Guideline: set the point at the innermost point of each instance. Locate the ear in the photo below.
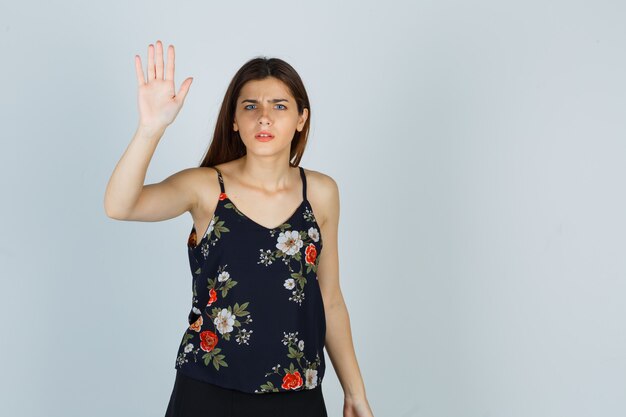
(302, 119)
(235, 126)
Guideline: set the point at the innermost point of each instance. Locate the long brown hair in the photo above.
(227, 144)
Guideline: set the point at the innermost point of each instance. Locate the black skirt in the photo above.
(192, 398)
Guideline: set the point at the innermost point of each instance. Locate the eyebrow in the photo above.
(274, 100)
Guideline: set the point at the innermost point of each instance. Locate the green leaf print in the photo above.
(218, 360)
(269, 387)
(186, 338)
(219, 227)
(240, 310)
(303, 366)
(230, 205)
(294, 354)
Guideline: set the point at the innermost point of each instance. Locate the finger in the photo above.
(159, 60)
(169, 75)
(150, 62)
(184, 89)
(139, 70)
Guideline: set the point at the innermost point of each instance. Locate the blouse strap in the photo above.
(219, 177)
(303, 183)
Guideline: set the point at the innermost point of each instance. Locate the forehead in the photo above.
(269, 87)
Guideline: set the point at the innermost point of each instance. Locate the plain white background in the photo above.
(479, 150)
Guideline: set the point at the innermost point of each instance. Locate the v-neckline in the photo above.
(200, 240)
(245, 216)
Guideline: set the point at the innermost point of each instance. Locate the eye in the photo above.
(247, 107)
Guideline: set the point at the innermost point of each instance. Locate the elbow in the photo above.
(112, 213)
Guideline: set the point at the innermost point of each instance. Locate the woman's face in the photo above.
(266, 105)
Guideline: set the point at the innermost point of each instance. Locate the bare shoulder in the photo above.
(197, 182)
(323, 193)
(322, 183)
(205, 185)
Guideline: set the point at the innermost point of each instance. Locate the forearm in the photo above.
(341, 350)
(128, 177)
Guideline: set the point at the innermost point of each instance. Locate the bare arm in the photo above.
(126, 197)
(338, 333)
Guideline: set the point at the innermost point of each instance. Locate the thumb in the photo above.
(184, 88)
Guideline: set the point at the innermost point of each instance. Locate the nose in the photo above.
(264, 119)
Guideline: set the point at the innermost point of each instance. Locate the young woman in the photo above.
(262, 248)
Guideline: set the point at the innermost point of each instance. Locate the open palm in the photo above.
(157, 99)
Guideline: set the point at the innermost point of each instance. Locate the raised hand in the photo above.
(157, 99)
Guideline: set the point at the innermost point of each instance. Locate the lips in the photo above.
(263, 134)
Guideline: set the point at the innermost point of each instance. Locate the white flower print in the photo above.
(310, 371)
(196, 310)
(308, 215)
(223, 276)
(290, 338)
(210, 228)
(296, 249)
(205, 250)
(298, 296)
(266, 257)
(189, 347)
(224, 321)
(310, 378)
(244, 336)
(205, 246)
(314, 234)
(215, 228)
(181, 359)
(289, 242)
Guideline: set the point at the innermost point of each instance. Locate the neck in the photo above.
(266, 173)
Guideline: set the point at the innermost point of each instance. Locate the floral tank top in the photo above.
(257, 321)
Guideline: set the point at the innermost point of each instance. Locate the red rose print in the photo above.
(292, 381)
(223, 196)
(208, 340)
(310, 254)
(212, 296)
